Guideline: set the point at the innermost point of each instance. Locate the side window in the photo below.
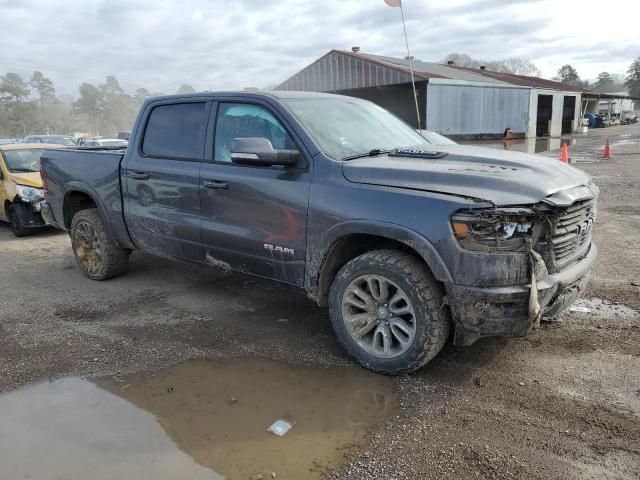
(241, 120)
(176, 130)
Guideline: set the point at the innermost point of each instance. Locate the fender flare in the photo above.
(72, 187)
(406, 236)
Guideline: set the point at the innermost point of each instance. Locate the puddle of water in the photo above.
(200, 419)
(624, 140)
(526, 145)
(72, 429)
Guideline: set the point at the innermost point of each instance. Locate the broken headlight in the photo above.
(29, 194)
(507, 230)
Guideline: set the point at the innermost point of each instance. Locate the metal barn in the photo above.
(456, 101)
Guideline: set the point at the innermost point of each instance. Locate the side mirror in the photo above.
(259, 151)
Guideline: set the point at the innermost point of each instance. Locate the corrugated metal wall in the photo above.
(336, 71)
(398, 99)
(476, 110)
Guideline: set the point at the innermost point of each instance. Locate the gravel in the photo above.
(561, 403)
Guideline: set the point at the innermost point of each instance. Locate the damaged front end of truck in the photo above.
(544, 253)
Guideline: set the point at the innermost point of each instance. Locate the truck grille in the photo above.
(571, 233)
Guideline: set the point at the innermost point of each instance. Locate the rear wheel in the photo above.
(95, 251)
(386, 309)
(17, 217)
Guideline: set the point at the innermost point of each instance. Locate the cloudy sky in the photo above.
(229, 44)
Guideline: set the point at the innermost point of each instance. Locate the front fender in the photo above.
(318, 255)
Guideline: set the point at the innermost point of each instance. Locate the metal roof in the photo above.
(522, 80)
(338, 70)
(615, 96)
(393, 63)
(432, 70)
(455, 72)
(343, 70)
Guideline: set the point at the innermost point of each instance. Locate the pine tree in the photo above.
(632, 80)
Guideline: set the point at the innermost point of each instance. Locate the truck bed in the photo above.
(94, 171)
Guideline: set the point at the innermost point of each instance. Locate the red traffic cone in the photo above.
(607, 149)
(564, 154)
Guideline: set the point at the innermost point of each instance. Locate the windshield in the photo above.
(435, 138)
(27, 160)
(344, 127)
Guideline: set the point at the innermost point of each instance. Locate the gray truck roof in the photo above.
(249, 94)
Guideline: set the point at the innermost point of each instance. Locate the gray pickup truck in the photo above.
(403, 240)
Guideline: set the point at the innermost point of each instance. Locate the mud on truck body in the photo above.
(403, 240)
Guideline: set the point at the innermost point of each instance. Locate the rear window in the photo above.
(176, 131)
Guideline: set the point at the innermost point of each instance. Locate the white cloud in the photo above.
(216, 44)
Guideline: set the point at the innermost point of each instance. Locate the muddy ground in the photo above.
(562, 403)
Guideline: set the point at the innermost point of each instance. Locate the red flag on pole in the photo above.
(393, 3)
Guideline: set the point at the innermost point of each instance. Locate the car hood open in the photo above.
(501, 177)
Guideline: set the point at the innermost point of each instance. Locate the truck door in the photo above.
(254, 219)
(161, 178)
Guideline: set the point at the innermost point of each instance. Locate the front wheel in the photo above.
(386, 310)
(95, 251)
(17, 216)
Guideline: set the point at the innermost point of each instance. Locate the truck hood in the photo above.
(499, 176)
(29, 179)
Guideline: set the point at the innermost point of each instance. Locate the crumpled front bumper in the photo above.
(31, 215)
(47, 215)
(483, 312)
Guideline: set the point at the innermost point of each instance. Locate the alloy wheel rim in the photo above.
(379, 316)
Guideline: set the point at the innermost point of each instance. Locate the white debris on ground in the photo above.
(280, 427)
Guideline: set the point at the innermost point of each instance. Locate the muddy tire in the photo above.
(387, 311)
(95, 251)
(17, 217)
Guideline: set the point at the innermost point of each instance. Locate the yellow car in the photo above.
(21, 192)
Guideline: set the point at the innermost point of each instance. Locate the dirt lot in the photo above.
(562, 403)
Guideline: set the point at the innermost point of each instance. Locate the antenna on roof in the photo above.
(398, 3)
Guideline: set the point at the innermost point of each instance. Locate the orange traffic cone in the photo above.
(607, 149)
(564, 155)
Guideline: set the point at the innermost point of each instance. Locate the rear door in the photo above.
(161, 178)
(255, 218)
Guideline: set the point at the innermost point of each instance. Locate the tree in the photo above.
(46, 95)
(141, 95)
(462, 60)
(184, 88)
(89, 104)
(632, 80)
(13, 93)
(514, 65)
(118, 108)
(519, 66)
(569, 75)
(604, 83)
(13, 87)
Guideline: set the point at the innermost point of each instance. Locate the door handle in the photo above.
(215, 184)
(138, 175)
